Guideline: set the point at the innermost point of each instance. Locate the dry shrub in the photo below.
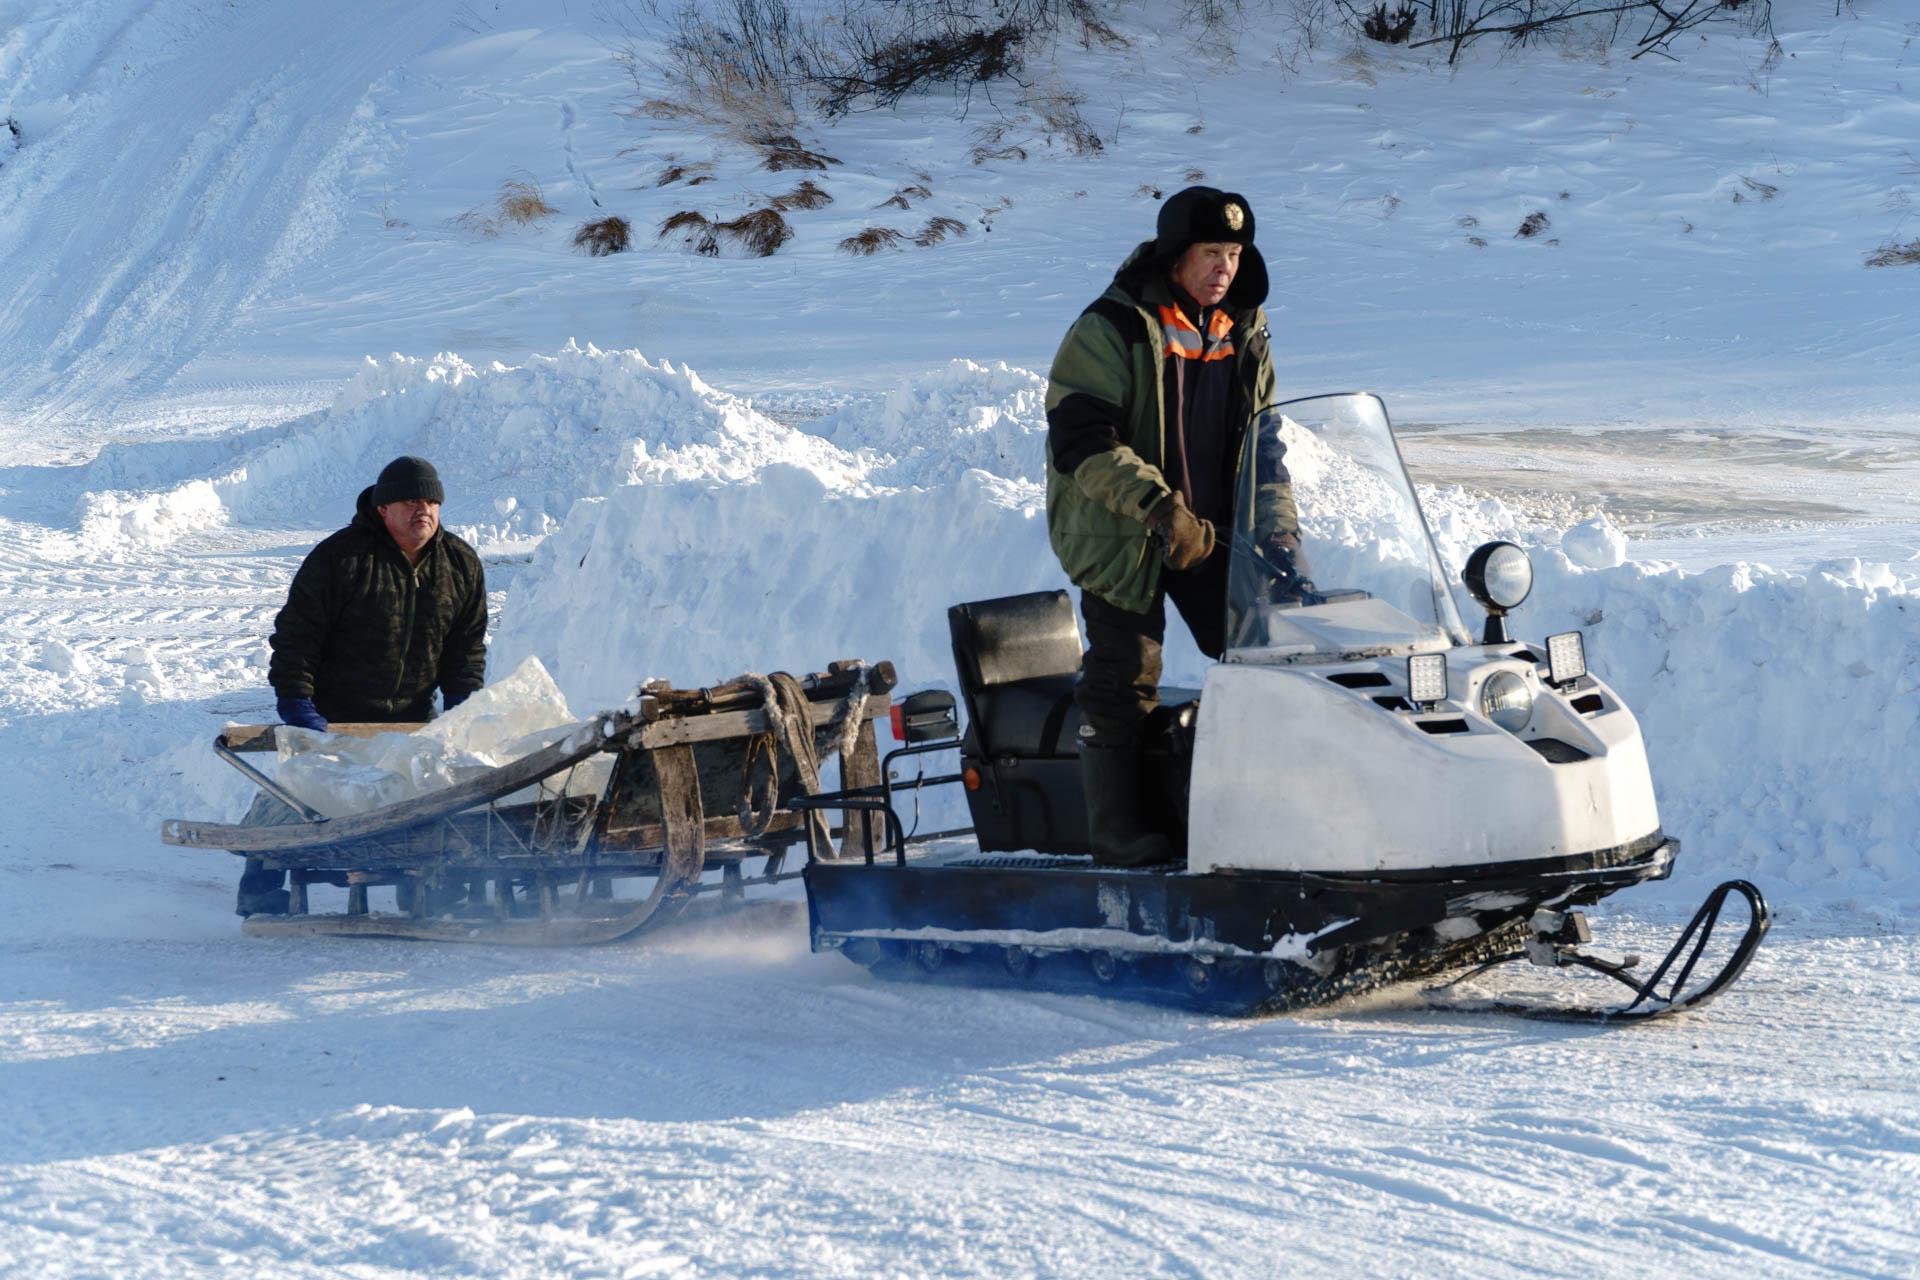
(991, 144)
(784, 151)
(1389, 27)
(937, 230)
(805, 196)
(1533, 224)
(696, 229)
(878, 65)
(603, 236)
(760, 232)
(1060, 114)
(522, 202)
(1892, 254)
(871, 241)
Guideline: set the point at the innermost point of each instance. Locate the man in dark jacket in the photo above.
(1148, 404)
(380, 615)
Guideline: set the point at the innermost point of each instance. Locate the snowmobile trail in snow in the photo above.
(110, 306)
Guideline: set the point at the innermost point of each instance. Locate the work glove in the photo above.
(1287, 563)
(1185, 539)
(448, 701)
(301, 713)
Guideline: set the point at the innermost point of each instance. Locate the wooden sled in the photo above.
(481, 862)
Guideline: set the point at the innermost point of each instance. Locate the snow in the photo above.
(232, 286)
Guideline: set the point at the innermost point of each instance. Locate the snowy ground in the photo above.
(214, 213)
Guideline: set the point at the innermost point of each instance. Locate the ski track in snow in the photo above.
(700, 1107)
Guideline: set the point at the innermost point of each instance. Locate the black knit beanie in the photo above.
(408, 480)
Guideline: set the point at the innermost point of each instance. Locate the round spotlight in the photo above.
(1507, 700)
(1499, 575)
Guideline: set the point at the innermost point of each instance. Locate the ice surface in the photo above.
(337, 774)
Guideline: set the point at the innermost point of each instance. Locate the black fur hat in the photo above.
(1207, 215)
(407, 480)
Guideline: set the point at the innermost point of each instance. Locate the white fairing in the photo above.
(1294, 772)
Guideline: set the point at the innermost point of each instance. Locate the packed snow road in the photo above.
(716, 1101)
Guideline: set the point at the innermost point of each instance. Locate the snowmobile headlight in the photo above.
(1427, 679)
(1566, 658)
(1507, 700)
(1499, 575)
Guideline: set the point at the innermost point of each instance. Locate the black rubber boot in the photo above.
(261, 891)
(1119, 835)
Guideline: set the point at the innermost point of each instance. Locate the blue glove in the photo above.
(301, 713)
(451, 700)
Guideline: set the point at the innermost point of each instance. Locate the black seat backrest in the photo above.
(997, 642)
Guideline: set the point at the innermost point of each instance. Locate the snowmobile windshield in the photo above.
(1331, 554)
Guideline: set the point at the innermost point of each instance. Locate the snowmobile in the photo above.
(1359, 792)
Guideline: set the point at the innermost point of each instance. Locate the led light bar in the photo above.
(1427, 678)
(1566, 657)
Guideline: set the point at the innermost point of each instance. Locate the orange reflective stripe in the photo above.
(1185, 340)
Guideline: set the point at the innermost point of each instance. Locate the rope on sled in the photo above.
(789, 714)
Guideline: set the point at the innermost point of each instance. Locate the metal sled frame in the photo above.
(467, 865)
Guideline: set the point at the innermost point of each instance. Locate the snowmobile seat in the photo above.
(1018, 659)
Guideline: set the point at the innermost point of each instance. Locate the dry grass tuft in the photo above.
(937, 230)
(1533, 225)
(1195, 175)
(1148, 189)
(871, 241)
(478, 223)
(604, 236)
(783, 151)
(696, 229)
(522, 203)
(805, 196)
(894, 201)
(760, 232)
(1896, 255)
(676, 172)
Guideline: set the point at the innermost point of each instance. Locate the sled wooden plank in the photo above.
(738, 724)
(577, 746)
(260, 737)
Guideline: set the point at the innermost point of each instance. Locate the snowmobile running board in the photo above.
(1556, 937)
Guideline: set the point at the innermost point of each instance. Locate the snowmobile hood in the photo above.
(1146, 266)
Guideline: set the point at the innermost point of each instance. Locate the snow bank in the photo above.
(691, 537)
(1780, 709)
(515, 445)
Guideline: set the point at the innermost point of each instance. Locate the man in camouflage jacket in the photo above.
(380, 614)
(1148, 404)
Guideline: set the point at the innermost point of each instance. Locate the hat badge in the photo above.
(1235, 216)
